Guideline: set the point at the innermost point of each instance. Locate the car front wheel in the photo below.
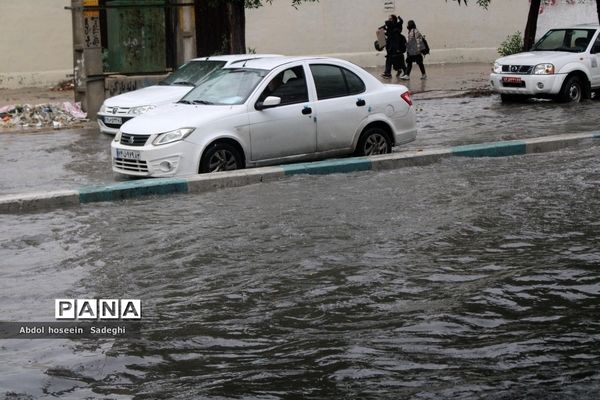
(220, 156)
(572, 91)
(373, 141)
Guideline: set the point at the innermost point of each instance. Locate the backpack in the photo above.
(425, 49)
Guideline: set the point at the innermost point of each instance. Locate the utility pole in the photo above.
(87, 56)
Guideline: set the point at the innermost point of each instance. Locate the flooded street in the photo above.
(73, 158)
(469, 278)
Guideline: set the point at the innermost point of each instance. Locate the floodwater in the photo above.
(73, 158)
(470, 278)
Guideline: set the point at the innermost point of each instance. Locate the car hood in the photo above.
(174, 116)
(151, 95)
(537, 57)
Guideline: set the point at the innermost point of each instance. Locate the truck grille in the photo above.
(130, 165)
(517, 69)
(134, 140)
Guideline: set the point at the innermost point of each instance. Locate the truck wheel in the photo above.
(572, 90)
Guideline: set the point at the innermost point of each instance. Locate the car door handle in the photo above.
(360, 102)
(307, 111)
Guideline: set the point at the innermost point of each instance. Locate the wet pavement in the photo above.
(470, 278)
(69, 159)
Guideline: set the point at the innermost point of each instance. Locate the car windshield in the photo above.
(192, 73)
(226, 87)
(569, 40)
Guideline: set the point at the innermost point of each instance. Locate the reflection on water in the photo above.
(464, 279)
(458, 121)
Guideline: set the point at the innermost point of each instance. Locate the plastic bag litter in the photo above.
(55, 115)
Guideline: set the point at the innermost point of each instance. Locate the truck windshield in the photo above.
(568, 40)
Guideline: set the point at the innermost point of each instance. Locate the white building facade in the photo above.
(36, 35)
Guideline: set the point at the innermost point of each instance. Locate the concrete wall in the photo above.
(346, 28)
(36, 35)
(560, 13)
(35, 42)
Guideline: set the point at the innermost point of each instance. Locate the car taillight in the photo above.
(406, 97)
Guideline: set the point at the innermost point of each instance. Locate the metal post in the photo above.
(87, 56)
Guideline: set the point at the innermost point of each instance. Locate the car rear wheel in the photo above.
(373, 141)
(572, 90)
(220, 156)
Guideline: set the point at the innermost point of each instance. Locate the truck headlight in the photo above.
(172, 136)
(543, 69)
(497, 68)
(140, 110)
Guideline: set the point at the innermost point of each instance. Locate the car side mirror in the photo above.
(595, 49)
(269, 102)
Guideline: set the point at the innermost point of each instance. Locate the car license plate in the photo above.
(511, 79)
(113, 120)
(128, 154)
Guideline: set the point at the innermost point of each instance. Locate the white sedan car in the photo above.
(267, 111)
(121, 108)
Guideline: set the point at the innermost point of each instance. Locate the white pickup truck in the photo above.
(563, 65)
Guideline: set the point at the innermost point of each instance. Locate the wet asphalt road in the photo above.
(467, 279)
(72, 158)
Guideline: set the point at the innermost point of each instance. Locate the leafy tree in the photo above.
(482, 3)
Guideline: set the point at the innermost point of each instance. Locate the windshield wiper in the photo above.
(202, 102)
(184, 102)
(185, 83)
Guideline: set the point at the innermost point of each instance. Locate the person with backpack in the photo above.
(415, 48)
(393, 45)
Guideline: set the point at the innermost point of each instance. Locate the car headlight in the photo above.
(172, 136)
(140, 110)
(497, 68)
(543, 69)
(102, 109)
(117, 137)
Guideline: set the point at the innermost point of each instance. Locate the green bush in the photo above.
(513, 44)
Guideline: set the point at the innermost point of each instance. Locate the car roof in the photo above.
(274, 62)
(229, 58)
(579, 26)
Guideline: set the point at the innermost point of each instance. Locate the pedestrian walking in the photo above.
(393, 45)
(415, 47)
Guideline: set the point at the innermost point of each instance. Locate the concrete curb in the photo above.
(43, 201)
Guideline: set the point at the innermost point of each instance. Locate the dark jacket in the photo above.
(394, 43)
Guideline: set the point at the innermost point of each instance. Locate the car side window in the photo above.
(596, 47)
(333, 81)
(289, 85)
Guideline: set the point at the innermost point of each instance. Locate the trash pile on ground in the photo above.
(53, 115)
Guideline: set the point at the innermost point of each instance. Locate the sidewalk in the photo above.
(444, 80)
